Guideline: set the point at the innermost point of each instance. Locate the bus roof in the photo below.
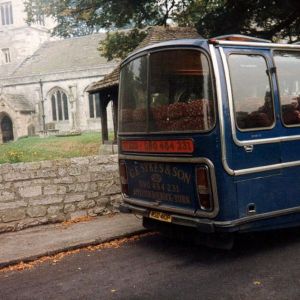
(226, 40)
(200, 42)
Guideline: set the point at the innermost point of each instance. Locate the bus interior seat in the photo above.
(291, 113)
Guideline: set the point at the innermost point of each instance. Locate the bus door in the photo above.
(287, 65)
(252, 144)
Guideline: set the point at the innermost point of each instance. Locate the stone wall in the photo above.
(59, 190)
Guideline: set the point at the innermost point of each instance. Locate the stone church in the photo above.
(43, 81)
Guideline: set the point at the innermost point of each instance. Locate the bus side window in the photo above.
(288, 76)
(251, 91)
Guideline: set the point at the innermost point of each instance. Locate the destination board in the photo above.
(158, 146)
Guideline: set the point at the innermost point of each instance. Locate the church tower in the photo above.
(18, 40)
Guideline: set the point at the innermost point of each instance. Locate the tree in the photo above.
(119, 44)
(78, 17)
(106, 14)
(270, 19)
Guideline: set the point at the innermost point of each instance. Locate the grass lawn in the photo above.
(36, 148)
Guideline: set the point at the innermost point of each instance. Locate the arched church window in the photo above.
(59, 103)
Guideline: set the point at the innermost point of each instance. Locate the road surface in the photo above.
(261, 266)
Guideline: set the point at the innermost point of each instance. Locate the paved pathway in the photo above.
(29, 244)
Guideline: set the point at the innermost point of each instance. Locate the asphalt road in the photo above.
(263, 266)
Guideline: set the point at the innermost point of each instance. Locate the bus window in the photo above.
(181, 95)
(288, 75)
(251, 91)
(134, 96)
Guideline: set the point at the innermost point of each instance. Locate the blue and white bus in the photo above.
(209, 134)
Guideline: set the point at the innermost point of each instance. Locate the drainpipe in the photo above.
(43, 107)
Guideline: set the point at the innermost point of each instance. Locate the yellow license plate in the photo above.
(157, 215)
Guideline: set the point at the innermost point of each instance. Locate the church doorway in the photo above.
(7, 129)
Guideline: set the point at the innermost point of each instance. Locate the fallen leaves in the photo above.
(114, 244)
(76, 220)
(119, 242)
(82, 219)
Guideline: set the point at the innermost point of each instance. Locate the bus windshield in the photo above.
(173, 94)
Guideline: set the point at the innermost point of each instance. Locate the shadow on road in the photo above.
(245, 245)
(267, 240)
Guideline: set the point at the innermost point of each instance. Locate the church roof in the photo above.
(17, 101)
(160, 34)
(65, 55)
(7, 69)
(109, 80)
(155, 34)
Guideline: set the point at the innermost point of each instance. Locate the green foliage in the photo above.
(270, 19)
(78, 17)
(14, 156)
(108, 14)
(120, 44)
